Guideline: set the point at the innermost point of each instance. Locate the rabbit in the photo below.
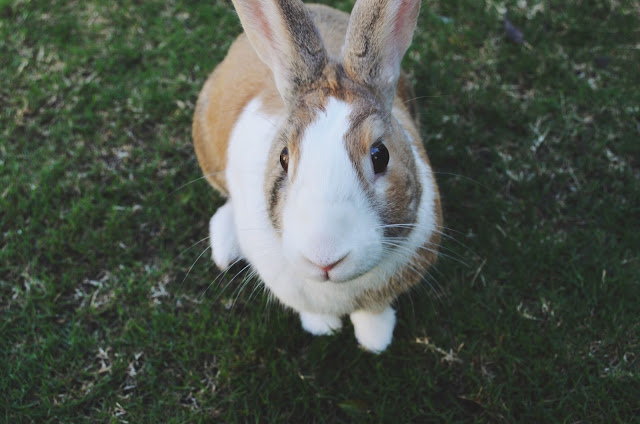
(306, 129)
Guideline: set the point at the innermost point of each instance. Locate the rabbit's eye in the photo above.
(379, 157)
(284, 159)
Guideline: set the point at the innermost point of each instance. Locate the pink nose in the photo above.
(329, 267)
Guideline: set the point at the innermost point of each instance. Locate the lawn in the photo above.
(111, 313)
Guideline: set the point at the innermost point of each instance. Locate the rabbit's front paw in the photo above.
(374, 331)
(320, 324)
(223, 238)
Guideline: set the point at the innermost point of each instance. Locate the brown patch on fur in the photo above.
(404, 188)
(406, 278)
(406, 93)
(222, 100)
(364, 131)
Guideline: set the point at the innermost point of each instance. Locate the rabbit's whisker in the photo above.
(192, 265)
(193, 181)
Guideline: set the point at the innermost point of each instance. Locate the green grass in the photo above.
(535, 314)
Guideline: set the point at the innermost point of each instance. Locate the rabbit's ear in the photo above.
(283, 35)
(379, 34)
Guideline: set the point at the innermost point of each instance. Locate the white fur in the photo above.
(247, 154)
(374, 331)
(223, 239)
(320, 324)
(325, 216)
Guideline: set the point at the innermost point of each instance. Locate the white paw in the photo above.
(320, 324)
(374, 331)
(224, 241)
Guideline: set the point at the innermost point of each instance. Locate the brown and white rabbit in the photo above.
(304, 128)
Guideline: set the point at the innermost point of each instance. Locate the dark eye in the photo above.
(284, 159)
(379, 157)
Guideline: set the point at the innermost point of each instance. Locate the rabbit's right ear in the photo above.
(379, 34)
(283, 35)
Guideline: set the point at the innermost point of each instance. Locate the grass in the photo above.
(109, 316)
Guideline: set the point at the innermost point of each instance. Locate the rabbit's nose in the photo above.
(329, 267)
(326, 265)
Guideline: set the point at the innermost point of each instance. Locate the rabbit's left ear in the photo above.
(285, 38)
(379, 34)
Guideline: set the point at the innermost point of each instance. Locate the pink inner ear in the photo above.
(403, 27)
(403, 19)
(262, 22)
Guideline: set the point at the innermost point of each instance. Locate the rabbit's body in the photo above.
(328, 234)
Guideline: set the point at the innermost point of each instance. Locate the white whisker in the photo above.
(464, 177)
(226, 285)
(425, 248)
(419, 273)
(192, 265)
(193, 181)
(220, 275)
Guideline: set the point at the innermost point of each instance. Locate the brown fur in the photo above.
(407, 278)
(377, 32)
(225, 94)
